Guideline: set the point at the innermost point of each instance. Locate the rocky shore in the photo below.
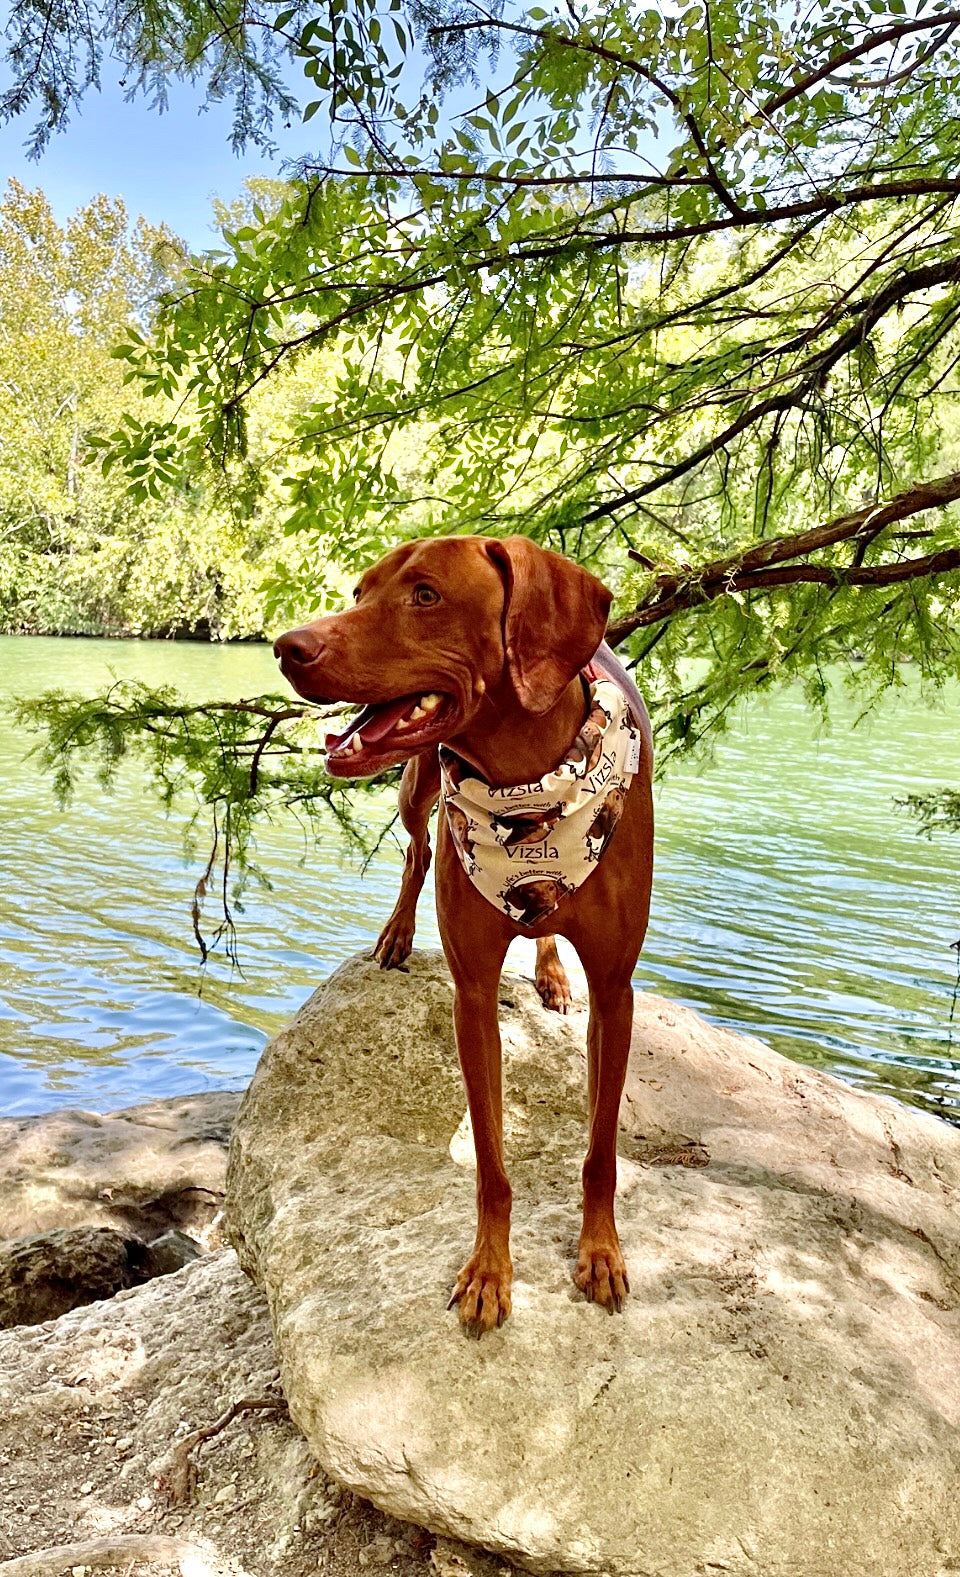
(780, 1399)
(98, 1405)
(92, 1205)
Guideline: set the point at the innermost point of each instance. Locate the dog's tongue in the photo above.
(373, 723)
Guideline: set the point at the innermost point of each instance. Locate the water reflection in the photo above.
(790, 901)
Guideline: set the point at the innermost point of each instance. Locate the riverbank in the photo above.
(94, 1403)
(202, 634)
(94, 1406)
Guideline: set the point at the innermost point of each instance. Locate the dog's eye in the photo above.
(425, 596)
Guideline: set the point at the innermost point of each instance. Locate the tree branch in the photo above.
(753, 570)
(125, 1550)
(866, 46)
(810, 374)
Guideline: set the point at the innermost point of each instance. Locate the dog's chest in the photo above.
(526, 847)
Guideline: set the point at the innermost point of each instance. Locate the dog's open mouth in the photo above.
(381, 735)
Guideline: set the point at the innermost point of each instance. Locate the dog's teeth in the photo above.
(417, 712)
(430, 702)
(356, 743)
(401, 724)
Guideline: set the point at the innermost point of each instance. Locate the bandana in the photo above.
(526, 847)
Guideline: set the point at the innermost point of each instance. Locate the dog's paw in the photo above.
(394, 944)
(554, 988)
(601, 1275)
(482, 1293)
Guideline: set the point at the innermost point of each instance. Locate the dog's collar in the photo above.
(528, 846)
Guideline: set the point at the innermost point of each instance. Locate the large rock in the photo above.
(781, 1397)
(145, 1170)
(43, 1277)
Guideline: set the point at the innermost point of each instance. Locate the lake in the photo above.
(790, 900)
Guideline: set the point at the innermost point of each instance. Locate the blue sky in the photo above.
(165, 166)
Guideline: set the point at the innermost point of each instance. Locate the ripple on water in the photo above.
(791, 901)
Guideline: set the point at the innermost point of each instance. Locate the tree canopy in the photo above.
(76, 552)
(85, 548)
(675, 290)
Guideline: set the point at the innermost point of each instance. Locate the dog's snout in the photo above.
(299, 647)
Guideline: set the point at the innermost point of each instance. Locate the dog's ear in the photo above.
(554, 617)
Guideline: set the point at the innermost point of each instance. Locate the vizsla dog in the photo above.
(479, 645)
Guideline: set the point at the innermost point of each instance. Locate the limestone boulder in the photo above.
(781, 1396)
(44, 1276)
(49, 1273)
(147, 1170)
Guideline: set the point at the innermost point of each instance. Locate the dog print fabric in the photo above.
(526, 847)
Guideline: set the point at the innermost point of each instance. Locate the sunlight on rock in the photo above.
(794, 1254)
(461, 1148)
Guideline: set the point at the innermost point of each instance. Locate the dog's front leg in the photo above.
(419, 791)
(482, 1289)
(601, 1273)
(475, 939)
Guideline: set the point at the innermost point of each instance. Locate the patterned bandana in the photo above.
(526, 847)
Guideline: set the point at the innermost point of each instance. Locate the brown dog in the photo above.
(479, 643)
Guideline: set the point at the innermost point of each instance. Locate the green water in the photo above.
(789, 900)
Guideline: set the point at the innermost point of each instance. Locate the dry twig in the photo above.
(181, 1478)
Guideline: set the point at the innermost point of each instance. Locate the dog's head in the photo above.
(438, 626)
(460, 826)
(534, 898)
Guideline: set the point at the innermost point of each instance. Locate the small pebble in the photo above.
(228, 1492)
(87, 1489)
(379, 1552)
(320, 1512)
(124, 1444)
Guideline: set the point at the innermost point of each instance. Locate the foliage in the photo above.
(935, 812)
(55, 54)
(84, 547)
(676, 290)
(76, 552)
(671, 284)
(243, 761)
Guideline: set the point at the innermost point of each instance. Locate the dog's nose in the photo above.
(299, 647)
